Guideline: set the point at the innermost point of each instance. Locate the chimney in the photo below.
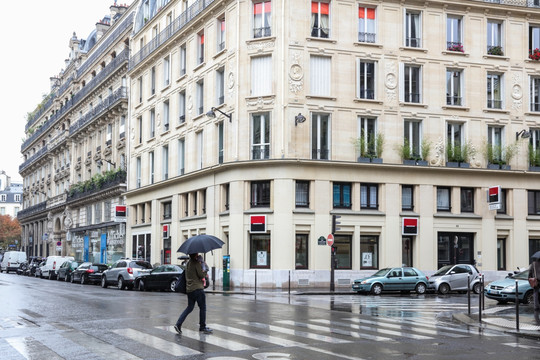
(102, 26)
(116, 11)
(55, 82)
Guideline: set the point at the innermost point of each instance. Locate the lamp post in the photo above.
(212, 114)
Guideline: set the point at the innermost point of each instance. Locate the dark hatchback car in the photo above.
(33, 264)
(88, 273)
(163, 277)
(64, 273)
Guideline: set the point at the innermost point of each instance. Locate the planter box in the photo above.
(534, 168)
(369, 160)
(464, 165)
(376, 160)
(452, 164)
(421, 162)
(506, 167)
(363, 159)
(409, 162)
(493, 166)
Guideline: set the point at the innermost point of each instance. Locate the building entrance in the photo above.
(455, 248)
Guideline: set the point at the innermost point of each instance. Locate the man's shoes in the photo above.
(206, 330)
(178, 329)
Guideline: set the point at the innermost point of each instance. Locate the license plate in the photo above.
(493, 292)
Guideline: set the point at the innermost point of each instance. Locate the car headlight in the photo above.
(511, 288)
(364, 282)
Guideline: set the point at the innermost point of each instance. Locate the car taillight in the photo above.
(90, 271)
(427, 277)
(54, 265)
(130, 270)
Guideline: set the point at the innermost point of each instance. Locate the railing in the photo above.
(120, 93)
(43, 109)
(454, 46)
(260, 152)
(178, 24)
(65, 85)
(413, 42)
(526, 3)
(319, 154)
(31, 210)
(221, 46)
(535, 106)
(366, 37)
(367, 94)
(33, 158)
(453, 100)
(494, 104)
(412, 97)
(320, 32)
(262, 32)
(495, 50)
(103, 74)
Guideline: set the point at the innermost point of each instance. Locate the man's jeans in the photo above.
(198, 297)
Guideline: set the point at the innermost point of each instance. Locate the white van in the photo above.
(52, 265)
(12, 260)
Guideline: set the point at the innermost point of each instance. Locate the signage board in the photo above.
(257, 224)
(120, 213)
(409, 226)
(330, 240)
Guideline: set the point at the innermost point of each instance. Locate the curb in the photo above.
(502, 327)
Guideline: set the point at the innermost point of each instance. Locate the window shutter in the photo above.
(358, 78)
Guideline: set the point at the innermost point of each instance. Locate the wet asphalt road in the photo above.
(43, 319)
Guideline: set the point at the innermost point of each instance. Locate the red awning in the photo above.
(325, 8)
(366, 13)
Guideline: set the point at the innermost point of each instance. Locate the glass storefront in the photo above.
(102, 245)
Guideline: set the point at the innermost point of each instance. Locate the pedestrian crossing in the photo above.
(322, 337)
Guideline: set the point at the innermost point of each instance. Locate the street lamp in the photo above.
(298, 119)
(100, 162)
(523, 133)
(211, 114)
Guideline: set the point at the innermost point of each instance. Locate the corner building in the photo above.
(257, 121)
(74, 169)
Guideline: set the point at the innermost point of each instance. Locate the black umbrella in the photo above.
(536, 256)
(200, 244)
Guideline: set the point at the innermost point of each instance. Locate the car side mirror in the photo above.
(452, 272)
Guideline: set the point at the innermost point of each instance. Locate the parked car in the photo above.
(65, 270)
(504, 290)
(123, 273)
(22, 268)
(12, 260)
(454, 278)
(37, 271)
(89, 273)
(52, 264)
(392, 279)
(163, 277)
(33, 263)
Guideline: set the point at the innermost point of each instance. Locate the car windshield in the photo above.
(382, 272)
(140, 265)
(443, 270)
(99, 268)
(524, 275)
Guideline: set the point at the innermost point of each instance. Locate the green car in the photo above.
(392, 279)
(505, 290)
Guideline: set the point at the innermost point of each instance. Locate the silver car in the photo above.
(123, 272)
(454, 278)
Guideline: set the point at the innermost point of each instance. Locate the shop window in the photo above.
(343, 244)
(301, 258)
(259, 251)
(369, 251)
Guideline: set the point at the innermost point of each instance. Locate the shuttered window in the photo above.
(320, 75)
(261, 76)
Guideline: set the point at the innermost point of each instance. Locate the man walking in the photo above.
(195, 294)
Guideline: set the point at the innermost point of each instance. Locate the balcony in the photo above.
(43, 151)
(366, 37)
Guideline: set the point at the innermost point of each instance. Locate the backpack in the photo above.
(180, 286)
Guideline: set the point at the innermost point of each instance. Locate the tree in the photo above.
(10, 230)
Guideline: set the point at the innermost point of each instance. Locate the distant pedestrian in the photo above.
(195, 294)
(534, 272)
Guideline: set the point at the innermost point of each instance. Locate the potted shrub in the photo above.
(459, 154)
(499, 157)
(409, 158)
(534, 54)
(455, 47)
(370, 148)
(495, 50)
(534, 159)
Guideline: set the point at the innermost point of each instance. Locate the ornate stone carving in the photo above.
(260, 102)
(517, 92)
(261, 45)
(68, 221)
(390, 81)
(296, 75)
(439, 158)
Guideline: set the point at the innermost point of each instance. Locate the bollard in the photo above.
(289, 282)
(480, 302)
(213, 278)
(517, 306)
(482, 292)
(255, 282)
(469, 293)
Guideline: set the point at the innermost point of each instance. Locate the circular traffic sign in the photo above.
(330, 240)
(59, 243)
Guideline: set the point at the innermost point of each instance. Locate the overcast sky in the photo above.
(35, 43)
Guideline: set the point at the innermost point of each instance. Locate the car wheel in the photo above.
(121, 285)
(83, 279)
(141, 285)
(444, 289)
(66, 279)
(376, 289)
(476, 288)
(104, 282)
(172, 285)
(50, 275)
(528, 298)
(420, 288)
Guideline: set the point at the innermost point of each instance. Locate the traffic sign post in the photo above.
(330, 240)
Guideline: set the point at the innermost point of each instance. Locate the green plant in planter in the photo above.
(496, 50)
(425, 148)
(461, 153)
(500, 154)
(370, 146)
(404, 150)
(534, 156)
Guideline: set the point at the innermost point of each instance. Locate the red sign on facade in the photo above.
(257, 224)
(330, 240)
(409, 226)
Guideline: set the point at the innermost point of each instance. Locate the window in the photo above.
(320, 136)
(260, 194)
(494, 38)
(369, 196)
(494, 90)
(183, 60)
(320, 19)
(365, 85)
(221, 34)
(140, 86)
(407, 197)
(343, 244)
(97, 212)
(220, 86)
(200, 48)
(534, 38)
(320, 75)
(200, 150)
(443, 199)
(366, 25)
(152, 123)
(153, 80)
(165, 162)
(138, 169)
(122, 127)
(182, 107)
(502, 196)
(181, 157)
(166, 115)
(151, 165)
(413, 29)
(533, 198)
(342, 195)
(17, 198)
(220, 143)
(259, 251)
(454, 39)
(369, 252)
(89, 215)
(260, 136)
(261, 75)
(411, 84)
(454, 141)
(467, 200)
(301, 251)
(262, 19)
(454, 87)
(501, 254)
(200, 97)
(3, 198)
(367, 130)
(412, 138)
(302, 194)
(534, 92)
(140, 127)
(166, 71)
(108, 138)
(494, 149)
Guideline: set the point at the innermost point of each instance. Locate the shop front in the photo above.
(99, 245)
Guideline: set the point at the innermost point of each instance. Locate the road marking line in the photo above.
(435, 332)
(294, 332)
(253, 335)
(353, 334)
(99, 347)
(377, 330)
(210, 339)
(32, 349)
(157, 343)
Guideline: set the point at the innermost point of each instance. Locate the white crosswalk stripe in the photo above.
(157, 343)
(404, 327)
(280, 329)
(210, 339)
